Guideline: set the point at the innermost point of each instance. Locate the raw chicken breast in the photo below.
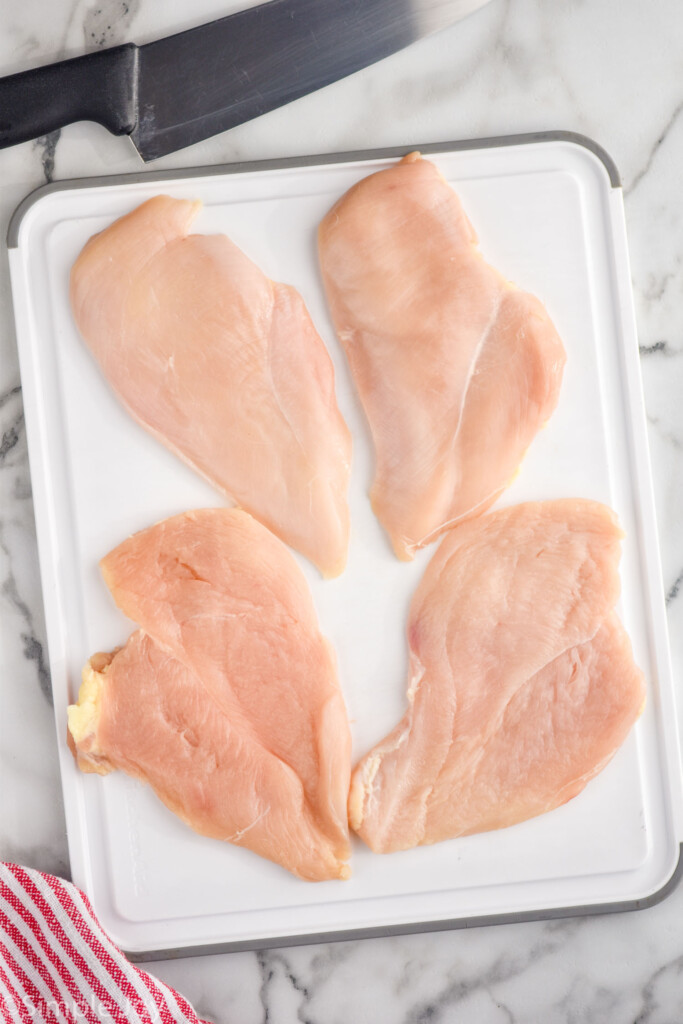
(456, 369)
(521, 684)
(224, 367)
(226, 700)
(155, 723)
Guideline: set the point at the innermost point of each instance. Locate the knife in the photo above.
(187, 87)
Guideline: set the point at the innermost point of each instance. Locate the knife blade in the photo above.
(173, 92)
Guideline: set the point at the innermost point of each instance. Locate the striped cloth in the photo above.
(58, 966)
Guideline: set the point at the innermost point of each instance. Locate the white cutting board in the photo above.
(551, 220)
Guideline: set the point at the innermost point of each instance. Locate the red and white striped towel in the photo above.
(58, 966)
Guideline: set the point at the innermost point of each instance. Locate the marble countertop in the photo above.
(608, 69)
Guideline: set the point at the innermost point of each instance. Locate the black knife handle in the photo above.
(99, 86)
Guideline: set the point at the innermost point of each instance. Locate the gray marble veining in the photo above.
(611, 70)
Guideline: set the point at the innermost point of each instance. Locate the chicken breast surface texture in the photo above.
(226, 700)
(522, 683)
(222, 365)
(455, 367)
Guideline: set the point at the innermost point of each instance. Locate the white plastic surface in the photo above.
(548, 219)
